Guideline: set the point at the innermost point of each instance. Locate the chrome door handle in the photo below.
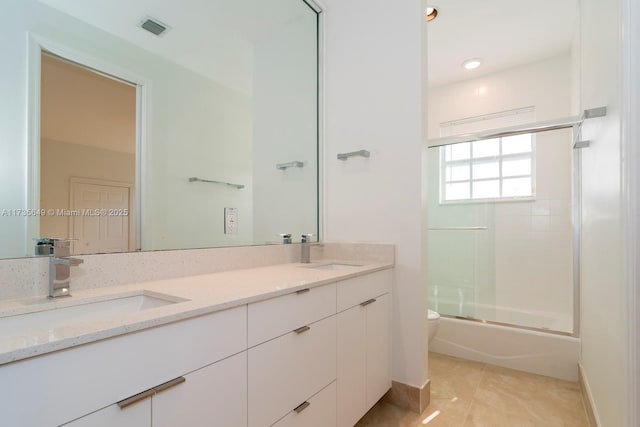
(371, 301)
(302, 329)
(148, 393)
(301, 407)
(166, 386)
(136, 398)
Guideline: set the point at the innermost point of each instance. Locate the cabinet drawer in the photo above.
(286, 371)
(278, 316)
(320, 411)
(360, 289)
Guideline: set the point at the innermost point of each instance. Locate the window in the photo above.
(500, 168)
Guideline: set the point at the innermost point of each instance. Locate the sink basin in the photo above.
(53, 320)
(336, 266)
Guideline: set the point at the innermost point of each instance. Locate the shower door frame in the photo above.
(575, 123)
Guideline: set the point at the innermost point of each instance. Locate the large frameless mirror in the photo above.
(146, 125)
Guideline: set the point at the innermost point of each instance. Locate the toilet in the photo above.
(432, 324)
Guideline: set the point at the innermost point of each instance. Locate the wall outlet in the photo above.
(230, 220)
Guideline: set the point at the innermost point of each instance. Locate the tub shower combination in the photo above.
(503, 240)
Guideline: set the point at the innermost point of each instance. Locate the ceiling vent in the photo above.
(154, 26)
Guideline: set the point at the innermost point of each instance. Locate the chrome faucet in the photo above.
(60, 264)
(286, 238)
(305, 249)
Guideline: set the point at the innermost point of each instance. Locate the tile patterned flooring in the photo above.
(466, 393)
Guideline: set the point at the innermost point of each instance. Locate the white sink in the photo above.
(336, 266)
(53, 320)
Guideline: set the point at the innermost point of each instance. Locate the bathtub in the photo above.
(555, 322)
(543, 353)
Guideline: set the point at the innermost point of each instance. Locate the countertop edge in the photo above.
(115, 329)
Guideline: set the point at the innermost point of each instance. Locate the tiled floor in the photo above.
(466, 393)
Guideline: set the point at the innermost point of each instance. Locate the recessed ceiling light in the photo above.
(431, 13)
(472, 64)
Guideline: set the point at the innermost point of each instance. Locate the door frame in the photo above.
(38, 45)
(93, 181)
(630, 127)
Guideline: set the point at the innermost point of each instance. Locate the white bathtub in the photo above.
(558, 322)
(525, 350)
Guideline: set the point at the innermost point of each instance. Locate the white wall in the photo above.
(285, 129)
(206, 133)
(501, 266)
(195, 127)
(631, 177)
(62, 161)
(543, 84)
(604, 327)
(373, 101)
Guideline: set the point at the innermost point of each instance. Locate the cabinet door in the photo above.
(351, 381)
(215, 395)
(137, 415)
(378, 349)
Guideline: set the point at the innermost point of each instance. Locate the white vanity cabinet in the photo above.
(316, 357)
(213, 395)
(62, 386)
(297, 361)
(363, 345)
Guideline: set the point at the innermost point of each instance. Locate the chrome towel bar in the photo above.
(194, 179)
(294, 164)
(361, 153)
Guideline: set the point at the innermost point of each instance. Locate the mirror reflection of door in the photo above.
(87, 157)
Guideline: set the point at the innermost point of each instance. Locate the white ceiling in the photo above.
(504, 33)
(216, 37)
(212, 37)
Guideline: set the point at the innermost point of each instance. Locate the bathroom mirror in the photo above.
(146, 125)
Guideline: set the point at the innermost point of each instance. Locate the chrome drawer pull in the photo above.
(301, 407)
(302, 329)
(302, 291)
(148, 393)
(166, 386)
(371, 301)
(136, 398)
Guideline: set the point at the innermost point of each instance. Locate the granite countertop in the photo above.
(193, 296)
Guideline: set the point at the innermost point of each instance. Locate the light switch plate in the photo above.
(230, 220)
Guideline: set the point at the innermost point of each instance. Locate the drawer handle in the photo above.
(301, 407)
(302, 329)
(148, 393)
(136, 398)
(166, 386)
(371, 301)
(302, 291)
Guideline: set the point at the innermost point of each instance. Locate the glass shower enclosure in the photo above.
(502, 229)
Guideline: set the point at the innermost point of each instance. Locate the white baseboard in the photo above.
(587, 399)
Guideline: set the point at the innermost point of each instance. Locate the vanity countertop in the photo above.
(195, 296)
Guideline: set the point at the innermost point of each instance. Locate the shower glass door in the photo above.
(501, 236)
